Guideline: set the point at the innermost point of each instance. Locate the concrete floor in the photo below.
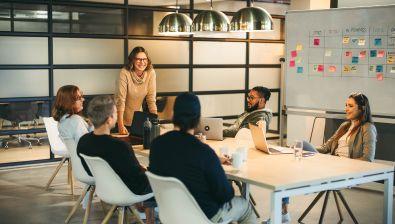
(24, 200)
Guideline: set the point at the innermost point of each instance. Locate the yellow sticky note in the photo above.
(328, 53)
(361, 41)
(346, 39)
(346, 68)
(299, 47)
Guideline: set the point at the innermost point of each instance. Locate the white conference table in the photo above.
(284, 176)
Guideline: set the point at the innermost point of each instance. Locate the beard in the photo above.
(252, 108)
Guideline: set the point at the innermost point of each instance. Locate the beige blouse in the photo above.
(130, 95)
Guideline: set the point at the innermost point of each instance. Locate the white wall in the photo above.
(356, 3)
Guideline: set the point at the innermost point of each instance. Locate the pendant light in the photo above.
(175, 24)
(251, 19)
(210, 21)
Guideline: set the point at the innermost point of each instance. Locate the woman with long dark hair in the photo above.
(137, 81)
(356, 137)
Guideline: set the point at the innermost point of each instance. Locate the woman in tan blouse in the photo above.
(137, 80)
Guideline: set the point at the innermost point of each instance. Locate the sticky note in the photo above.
(373, 53)
(354, 60)
(390, 60)
(328, 53)
(299, 47)
(298, 60)
(346, 68)
(353, 68)
(299, 70)
(294, 54)
(316, 41)
(354, 40)
(381, 54)
(392, 70)
(292, 63)
(362, 54)
(348, 53)
(315, 68)
(380, 76)
(377, 42)
(332, 68)
(320, 68)
(372, 68)
(361, 41)
(379, 68)
(346, 39)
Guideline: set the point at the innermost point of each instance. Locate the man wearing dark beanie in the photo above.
(180, 154)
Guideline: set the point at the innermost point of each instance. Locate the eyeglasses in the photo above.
(141, 59)
(251, 97)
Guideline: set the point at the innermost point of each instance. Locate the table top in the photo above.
(279, 172)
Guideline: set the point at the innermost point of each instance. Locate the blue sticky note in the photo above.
(299, 70)
(373, 53)
(379, 68)
(355, 60)
(377, 42)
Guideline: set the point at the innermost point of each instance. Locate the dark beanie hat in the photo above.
(187, 105)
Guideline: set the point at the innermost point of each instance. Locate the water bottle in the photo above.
(147, 134)
(155, 131)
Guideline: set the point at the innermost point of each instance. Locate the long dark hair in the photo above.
(132, 56)
(364, 117)
(64, 102)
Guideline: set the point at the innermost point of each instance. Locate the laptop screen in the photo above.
(139, 117)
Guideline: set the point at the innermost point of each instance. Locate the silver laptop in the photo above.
(259, 138)
(211, 127)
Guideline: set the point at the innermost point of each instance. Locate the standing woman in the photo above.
(355, 138)
(67, 111)
(137, 81)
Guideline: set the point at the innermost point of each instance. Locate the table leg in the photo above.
(388, 201)
(246, 191)
(276, 208)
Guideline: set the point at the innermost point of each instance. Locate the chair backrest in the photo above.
(57, 146)
(171, 193)
(78, 169)
(109, 186)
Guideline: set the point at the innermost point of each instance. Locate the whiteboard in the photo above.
(332, 53)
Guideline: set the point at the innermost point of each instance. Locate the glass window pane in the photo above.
(274, 8)
(225, 6)
(272, 104)
(172, 80)
(183, 4)
(30, 26)
(87, 51)
(141, 22)
(218, 105)
(5, 25)
(23, 83)
(219, 52)
(90, 81)
(5, 10)
(87, 20)
(273, 124)
(23, 50)
(262, 53)
(165, 106)
(220, 79)
(30, 18)
(164, 52)
(267, 77)
(273, 35)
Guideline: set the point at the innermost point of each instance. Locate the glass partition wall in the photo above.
(45, 44)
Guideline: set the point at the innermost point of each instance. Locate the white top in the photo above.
(73, 127)
(342, 147)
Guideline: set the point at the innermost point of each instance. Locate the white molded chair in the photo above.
(112, 190)
(81, 175)
(171, 193)
(58, 148)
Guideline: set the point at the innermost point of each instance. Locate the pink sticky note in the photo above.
(294, 54)
(348, 53)
(332, 68)
(316, 41)
(292, 63)
(381, 54)
(320, 68)
(379, 76)
(362, 54)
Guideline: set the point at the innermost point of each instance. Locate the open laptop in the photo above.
(137, 127)
(211, 127)
(259, 138)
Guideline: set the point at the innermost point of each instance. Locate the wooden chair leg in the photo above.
(103, 206)
(126, 216)
(86, 189)
(88, 208)
(324, 207)
(69, 171)
(54, 174)
(121, 215)
(136, 214)
(347, 207)
(71, 178)
(316, 199)
(109, 214)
